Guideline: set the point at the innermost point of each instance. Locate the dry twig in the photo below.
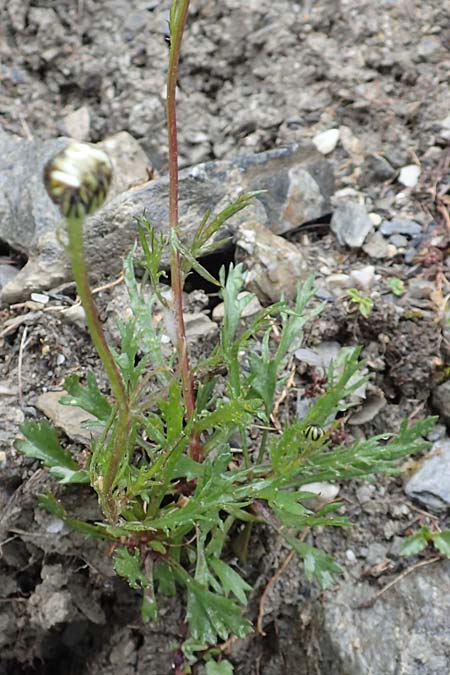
(272, 581)
(371, 601)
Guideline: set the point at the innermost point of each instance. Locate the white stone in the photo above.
(375, 218)
(326, 141)
(40, 298)
(349, 554)
(75, 315)
(364, 277)
(253, 307)
(409, 175)
(77, 124)
(326, 493)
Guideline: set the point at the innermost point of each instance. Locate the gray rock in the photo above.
(421, 288)
(410, 622)
(275, 266)
(376, 553)
(69, 418)
(297, 179)
(29, 221)
(369, 410)
(198, 325)
(377, 247)
(75, 315)
(375, 169)
(441, 401)
(399, 240)
(7, 274)
(351, 223)
(253, 307)
(77, 124)
(400, 226)
(430, 485)
(26, 212)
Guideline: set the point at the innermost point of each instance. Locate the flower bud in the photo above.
(77, 179)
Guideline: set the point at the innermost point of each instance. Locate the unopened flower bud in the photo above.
(77, 179)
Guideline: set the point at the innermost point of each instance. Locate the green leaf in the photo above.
(128, 565)
(318, 564)
(172, 410)
(69, 477)
(416, 543)
(41, 442)
(164, 577)
(234, 305)
(51, 504)
(234, 413)
(145, 327)
(441, 541)
(231, 581)
(153, 244)
(211, 616)
(192, 262)
(397, 286)
(219, 668)
(149, 608)
(207, 229)
(87, 397)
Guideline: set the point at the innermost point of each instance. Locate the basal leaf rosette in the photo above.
(77, 179)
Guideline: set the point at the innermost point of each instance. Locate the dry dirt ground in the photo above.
(254, 75)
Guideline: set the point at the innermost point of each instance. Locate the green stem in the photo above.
(179, 14)
(75, 251)
(262, 447)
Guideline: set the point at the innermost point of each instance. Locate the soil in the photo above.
(254, 75)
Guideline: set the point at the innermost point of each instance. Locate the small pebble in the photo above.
(326, 141)
(400, 226)
(377, 247)
(338, 283)
(55, 526)
(398, 240)
(375, 218)
(364, 277)
(75, 315)
(409, 175)
(349, 554)
(421, 289)
(351, 224)
(40, 298)
(365, 493)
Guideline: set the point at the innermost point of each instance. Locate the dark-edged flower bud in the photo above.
(78, 178)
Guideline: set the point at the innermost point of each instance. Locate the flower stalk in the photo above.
(77, 180)
(178, 17)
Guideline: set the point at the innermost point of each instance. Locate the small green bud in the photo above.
(77, 179)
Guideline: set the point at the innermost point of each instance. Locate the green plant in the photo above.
(397, 286)
(362, 302)
(422, 539)
(172, 488)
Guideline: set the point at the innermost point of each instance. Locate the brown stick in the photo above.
(371, 601)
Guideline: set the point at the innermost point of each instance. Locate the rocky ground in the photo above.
(364, 203)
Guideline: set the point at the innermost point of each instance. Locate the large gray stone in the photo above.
(297, 180)
(29, 220)
(405, 631)
(274, 265)
(430, 485)
(351, 224)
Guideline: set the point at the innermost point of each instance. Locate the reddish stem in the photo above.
(196, 451)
